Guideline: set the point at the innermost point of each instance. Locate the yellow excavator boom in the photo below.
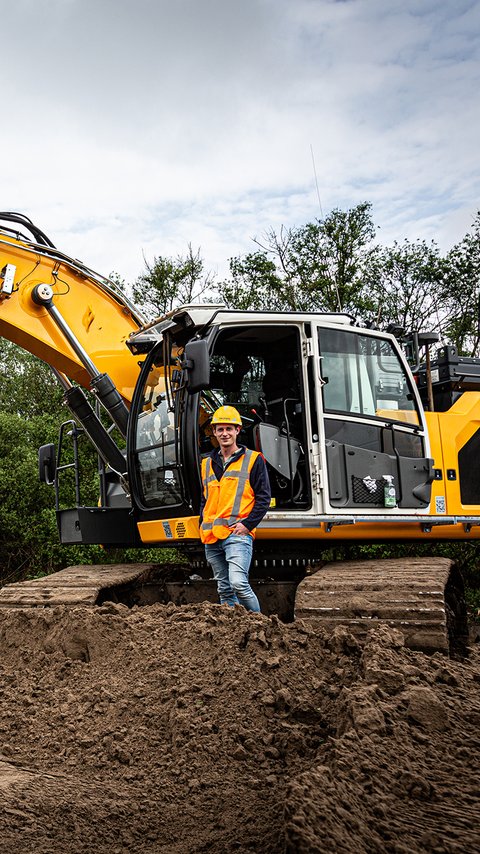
(99, 315)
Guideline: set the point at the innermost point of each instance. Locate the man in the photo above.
(236, 496)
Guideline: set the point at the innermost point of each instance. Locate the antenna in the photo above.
(316, 181)
(332, 278)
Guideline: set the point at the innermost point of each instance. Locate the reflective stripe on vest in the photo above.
(218, 528)
(209, 475)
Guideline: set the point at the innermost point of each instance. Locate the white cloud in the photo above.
(135, 126)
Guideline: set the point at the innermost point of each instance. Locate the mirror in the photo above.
(47, 465)
(196, 362)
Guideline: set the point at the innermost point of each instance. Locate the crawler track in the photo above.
(423, 597)
(136, 584)
(75, 585)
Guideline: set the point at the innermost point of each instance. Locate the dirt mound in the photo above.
(208, 729)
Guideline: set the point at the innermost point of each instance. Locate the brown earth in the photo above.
(195, 729)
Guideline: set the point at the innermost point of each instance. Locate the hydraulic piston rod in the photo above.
(100, 438)
(101, 384)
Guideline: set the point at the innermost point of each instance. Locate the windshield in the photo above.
(364, 376)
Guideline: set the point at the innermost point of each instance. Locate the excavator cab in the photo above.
(333, 409)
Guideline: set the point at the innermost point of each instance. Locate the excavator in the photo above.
(361, 446)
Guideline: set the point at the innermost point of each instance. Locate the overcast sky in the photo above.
(133, 127)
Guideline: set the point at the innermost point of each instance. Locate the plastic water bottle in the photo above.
(389, 494)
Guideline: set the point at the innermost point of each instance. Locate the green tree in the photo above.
(461, 292)
(169, 282)
(29, 542)
(255, 283)
(27, 385)
(317, 267)
(406, 282)
(333, 254)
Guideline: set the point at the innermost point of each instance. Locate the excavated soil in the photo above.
(205, 729)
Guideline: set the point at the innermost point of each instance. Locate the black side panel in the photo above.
(337, 473)
(416, 478)
(469, 470)
(113, 526)
(356, 477)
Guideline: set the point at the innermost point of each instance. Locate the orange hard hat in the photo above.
(227, 415)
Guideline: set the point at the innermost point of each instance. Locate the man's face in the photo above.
(226, 435)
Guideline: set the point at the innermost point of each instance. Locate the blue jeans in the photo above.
(230, 560)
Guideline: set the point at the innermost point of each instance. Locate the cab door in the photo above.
(373, 441)
(159, 487)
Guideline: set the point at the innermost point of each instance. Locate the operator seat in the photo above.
(279, 384)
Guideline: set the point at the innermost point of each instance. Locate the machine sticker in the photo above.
(167, 529)
(440, 504)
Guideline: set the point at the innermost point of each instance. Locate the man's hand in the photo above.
(239, 528)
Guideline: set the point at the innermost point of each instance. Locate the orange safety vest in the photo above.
(228, 500)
